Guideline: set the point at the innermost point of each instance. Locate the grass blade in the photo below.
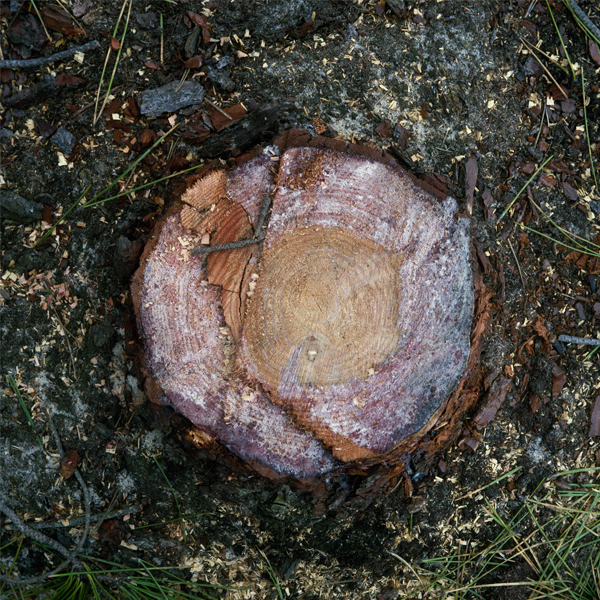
(110, 186)
(174, 498)
(13, 385)
(537, 171)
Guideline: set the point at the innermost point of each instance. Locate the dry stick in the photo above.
(517, 261)
(71, 557)
(535, 48)
(264, 210)
(569, 339)
(40, 538)
(231, 246)
(549, 74)
(45, 60)
(67, 338)
(584, 18)
(219, 109)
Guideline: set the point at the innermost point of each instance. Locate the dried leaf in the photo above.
(535, 403)
(559, 379)
(495, 398)
(111, 531)
(202, 22)
(67, 79)
(384, 128)
(542, 331)
(548, 180)
(220, 121)
(68, 463)
(193, 63)
(59, 20)
(488, 200)
(471, 181)
(570, 191)
(594, 52)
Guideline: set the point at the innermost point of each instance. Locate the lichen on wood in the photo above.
(334, 340)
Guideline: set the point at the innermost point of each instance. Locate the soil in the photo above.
(445, 82)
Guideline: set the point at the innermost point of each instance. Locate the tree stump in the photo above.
(331, 342)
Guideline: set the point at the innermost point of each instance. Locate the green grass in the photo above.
(97, 199)
(107, 580)
(15, 389)
(181, 521)
(561, 40)
(272, 575)
(98, 110)
(556, 532)
(535, 174)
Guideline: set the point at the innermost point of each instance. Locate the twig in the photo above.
(231, 246)
(86, 493)
(569, 339)
(71, 557)
(549, 74)
(517, 261)
(536, 49)
(264, 210)
(45, 60)
(40, 538)
(219, 109)
(67, 338)
(584, 18)
(262, 217)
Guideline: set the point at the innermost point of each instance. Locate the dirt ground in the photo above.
(441, 83)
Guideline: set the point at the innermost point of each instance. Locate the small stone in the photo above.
(64, 140)
(16, 208)
(170, 98)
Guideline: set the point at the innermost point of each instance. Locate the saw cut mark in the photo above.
(325, 309)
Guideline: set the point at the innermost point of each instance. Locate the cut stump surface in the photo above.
(334, 339)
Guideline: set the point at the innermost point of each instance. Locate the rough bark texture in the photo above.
(336, 341)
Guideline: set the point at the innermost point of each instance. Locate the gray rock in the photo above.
(64, 139)
(16, 208)
(168, 98)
